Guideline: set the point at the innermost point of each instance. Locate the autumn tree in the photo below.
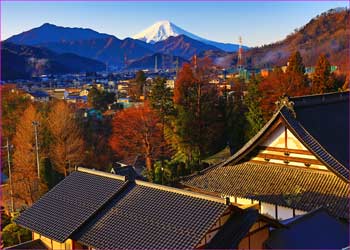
(292, 83)
(68, 145)
(295, 76)
(271, 88)
(322, 80)
(199, 120)
(27, 186)
(136, 132)
(97, 130)
(13, 104)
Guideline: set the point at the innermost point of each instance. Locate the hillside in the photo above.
(23, 62)
(326, 33)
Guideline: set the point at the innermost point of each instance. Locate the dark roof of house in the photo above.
(234, 230)
(147, 217)
(315, 230)
(33, 245)
(320, 122)
(128, 171)
(101, 211)
(288, 186)
(326, 119)
(69, 204)
(39, 94)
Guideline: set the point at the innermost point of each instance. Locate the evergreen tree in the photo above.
(140, 80)
(235, 121)
(254, 114)
(161, 100)
(99, 99)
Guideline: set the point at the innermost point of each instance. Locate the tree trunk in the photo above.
(149, 162)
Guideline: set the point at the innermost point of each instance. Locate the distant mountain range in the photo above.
(326, 33)
(24, 62)
(107, 48)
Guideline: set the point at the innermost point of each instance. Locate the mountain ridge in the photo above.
(23, 62)
(53, 33)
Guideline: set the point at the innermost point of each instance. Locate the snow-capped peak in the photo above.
(162, 30)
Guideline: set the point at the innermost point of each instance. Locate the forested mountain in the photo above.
(23, 62)
(327, 34)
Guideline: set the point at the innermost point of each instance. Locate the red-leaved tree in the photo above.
(136, 132)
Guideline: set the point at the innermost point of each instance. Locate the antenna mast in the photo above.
(240, 55)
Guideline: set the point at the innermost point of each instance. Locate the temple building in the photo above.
(298, 162)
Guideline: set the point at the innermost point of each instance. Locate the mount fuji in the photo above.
(162, 30)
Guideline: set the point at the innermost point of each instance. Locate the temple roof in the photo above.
(321, 124)
(106, 211)
(288, 186)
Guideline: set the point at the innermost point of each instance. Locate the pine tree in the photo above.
(235, 121)
(254, 114)
(161, 100)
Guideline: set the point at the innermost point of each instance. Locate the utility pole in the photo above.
(36, 124)
(10, 175)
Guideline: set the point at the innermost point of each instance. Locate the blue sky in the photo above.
(258, 23)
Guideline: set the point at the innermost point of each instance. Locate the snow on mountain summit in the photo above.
(162, 30)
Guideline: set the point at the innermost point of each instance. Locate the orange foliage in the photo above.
(278, 84)
(136, 131)
(68, 144)
(25, 176)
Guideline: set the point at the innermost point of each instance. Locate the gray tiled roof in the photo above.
(287, 186)
(102, 211)
(147, 217)
(69, 204)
